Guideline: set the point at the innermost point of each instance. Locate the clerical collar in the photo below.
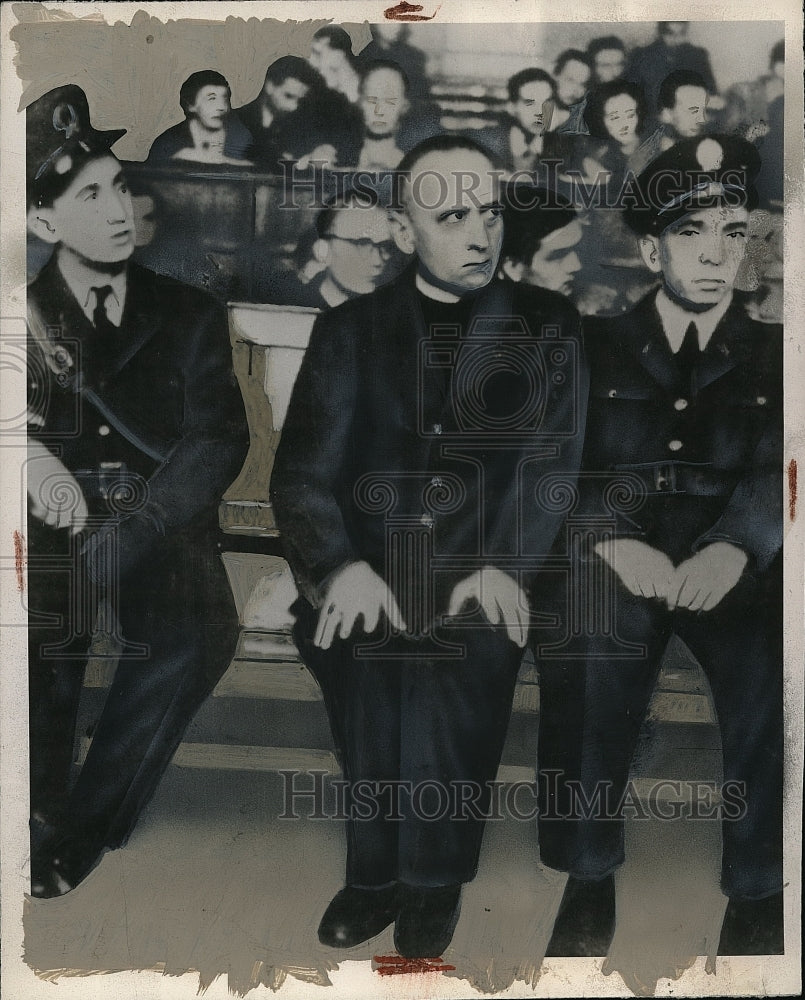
(332, 291)
(433, 291)
(675, 319)
(82, 279)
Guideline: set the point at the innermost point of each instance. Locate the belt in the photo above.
(682, 478)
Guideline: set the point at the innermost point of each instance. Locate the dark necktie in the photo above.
(100, 318)
(105, 339)
(687, 356)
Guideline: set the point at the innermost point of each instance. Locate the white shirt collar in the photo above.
(81, 280)
(518, 145)
(676, 320)
(432, 292)
(380, 154)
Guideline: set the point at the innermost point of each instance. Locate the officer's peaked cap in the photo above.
(60, 139)
(697, 173)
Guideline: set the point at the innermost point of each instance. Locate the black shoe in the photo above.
(427, 920)
(753, 927)
(59, 864)
(356, 915)
(585, 922)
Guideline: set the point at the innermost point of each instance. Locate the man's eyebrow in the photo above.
(88, 189)
(692, 223)
(733, 226)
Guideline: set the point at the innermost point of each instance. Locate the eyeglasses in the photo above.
(365, 246)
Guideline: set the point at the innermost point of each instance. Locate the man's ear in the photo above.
(401, 231)
(665, 116)
(41, 223)
(650, 252)
(512, 269)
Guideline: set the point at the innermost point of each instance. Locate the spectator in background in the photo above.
(210, 133)
(298, 117)
(683, 102)
(519, 140)
(356, 250)
(331, 55)
(273, 116)
(390, 42)
(615, 115)
(670, 51)
(755, 110)
(747, 104)
(384, 103)
(540, 234)
(571, 75)
(607, 55)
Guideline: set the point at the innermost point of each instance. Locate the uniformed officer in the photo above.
(681, 485)
(136, 427)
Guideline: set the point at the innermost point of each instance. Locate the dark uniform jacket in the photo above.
(157, 410)
(707, 459)
(387, 424)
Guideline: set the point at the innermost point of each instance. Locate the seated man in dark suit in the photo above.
(404, 489)
(682, 483)
(210, 132)
(136, 428)
(571, 75)
(331, 55)
(296, 116)
(671, 50)
(518, 142)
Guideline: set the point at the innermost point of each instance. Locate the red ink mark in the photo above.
(395, 965)
(19, 559)
(792, 489)
(408, 12)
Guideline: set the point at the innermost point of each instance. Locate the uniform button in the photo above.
(437, 428)
(103, 430)
(612, 393)
(674, 445)
(761, 401)
(681, 404)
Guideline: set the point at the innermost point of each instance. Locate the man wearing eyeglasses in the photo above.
(356, 248)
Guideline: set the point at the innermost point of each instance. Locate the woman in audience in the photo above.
(615, 114)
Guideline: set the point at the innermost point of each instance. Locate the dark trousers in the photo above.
(178, 627)
(435, 726)
(593, 705)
